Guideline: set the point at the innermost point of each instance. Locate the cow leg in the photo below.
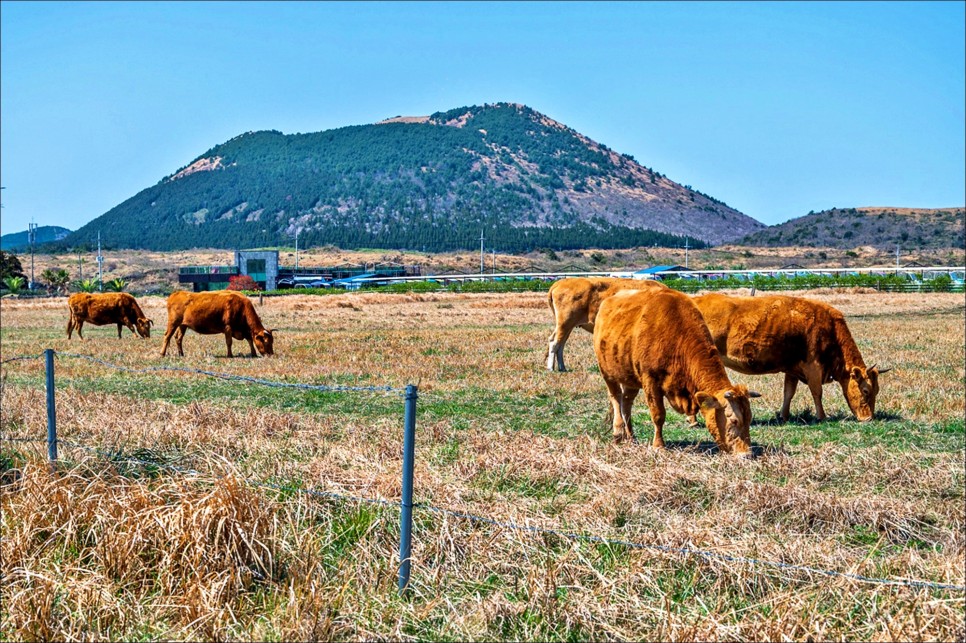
(655, 403)
(178, 337)
(814, 379)
(119, 327)
(80, 324)
(228, 340)
(627, 403)
(169, 331)
(70, 326)
(615, 394)
(251, 345)
(791, 383)
(558, 338)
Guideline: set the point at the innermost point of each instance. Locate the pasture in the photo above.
(112, 549)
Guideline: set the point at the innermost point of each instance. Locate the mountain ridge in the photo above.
(879, 227)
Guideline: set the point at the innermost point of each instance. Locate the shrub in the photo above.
(242, 282)
(86, 285)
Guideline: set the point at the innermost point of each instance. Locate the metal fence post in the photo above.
(51, 410)
(406, 515)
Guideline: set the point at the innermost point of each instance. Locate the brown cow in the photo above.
(806, 340)
(574, 302)
(101, 309)
(210, 313)
(657, 341)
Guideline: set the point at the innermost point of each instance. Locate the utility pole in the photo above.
(481, 251)
(31, 235)
(100, 265)
(686, 246)
(494, 261)
(897, 258)
(297, 230)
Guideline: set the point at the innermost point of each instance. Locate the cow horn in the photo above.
(150, 322)
(729, 394)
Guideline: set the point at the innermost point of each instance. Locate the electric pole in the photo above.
(481, 251)
(31, 235)
(686, 246)
(897, 258)
(100, 264)
(297, 230)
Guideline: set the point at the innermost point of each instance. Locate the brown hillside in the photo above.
(912, 229)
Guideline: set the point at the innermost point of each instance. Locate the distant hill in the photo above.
(423, 183)
(18, 241)
(879, 227)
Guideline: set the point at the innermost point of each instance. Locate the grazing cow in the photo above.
(210, 313)
(806, 340)
(101, 309)
(575, 301)
(656, 341)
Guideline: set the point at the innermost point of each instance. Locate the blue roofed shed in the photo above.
(653, 271)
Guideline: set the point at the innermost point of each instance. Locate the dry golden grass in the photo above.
(108, 549)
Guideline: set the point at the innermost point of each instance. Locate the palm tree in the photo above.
(49, 278)
(14, 284)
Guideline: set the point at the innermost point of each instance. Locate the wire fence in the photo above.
(406, 505)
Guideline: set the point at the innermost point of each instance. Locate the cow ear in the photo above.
(706, 401)
(855, 373)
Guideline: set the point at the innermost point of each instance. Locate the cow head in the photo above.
(861, 389)
(263, 340)
(143, 326)
(727, 414)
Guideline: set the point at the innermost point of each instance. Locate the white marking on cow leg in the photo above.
(552, 353)
(627, 403)
(615, 395)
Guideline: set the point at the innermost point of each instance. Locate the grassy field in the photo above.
(108, 548)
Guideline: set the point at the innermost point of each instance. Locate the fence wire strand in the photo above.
(21, 358)
(683, 551)
(242, 378)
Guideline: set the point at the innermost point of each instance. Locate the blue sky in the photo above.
(774, 108)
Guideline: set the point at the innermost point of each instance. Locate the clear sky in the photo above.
(774, 108)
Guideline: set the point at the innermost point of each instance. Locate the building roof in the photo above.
(346, 280)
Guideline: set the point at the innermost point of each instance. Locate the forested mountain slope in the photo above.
(433, 183)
